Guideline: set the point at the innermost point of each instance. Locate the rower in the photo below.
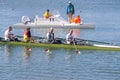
(50, 37)
(47, 15)
(27, 35)
(9, 36)
(70, 37)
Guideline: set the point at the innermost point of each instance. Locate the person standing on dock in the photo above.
(9, 36)
(70, 37)
(70, 11)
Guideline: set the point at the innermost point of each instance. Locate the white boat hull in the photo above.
(56, 22)
(48, 25)
(106, 46)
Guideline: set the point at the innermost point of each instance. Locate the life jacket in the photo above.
(47, 15)
(76, 20)
(27, 36)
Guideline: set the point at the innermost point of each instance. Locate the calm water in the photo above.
(61, 64)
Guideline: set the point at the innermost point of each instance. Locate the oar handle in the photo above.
(19, 36)
(39, 37)
(2, 39)
(32, 36)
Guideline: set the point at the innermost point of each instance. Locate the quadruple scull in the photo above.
(81, 46)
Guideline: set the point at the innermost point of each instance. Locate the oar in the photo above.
(1, 38)
(47, 50)
(38, 37)
(32, 36)
(92, 41)
(28, 48)
(76, 50)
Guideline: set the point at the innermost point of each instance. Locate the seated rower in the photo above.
(9, 36)
(47, 15)
(27, 35)
(50, 37)
(70, 37)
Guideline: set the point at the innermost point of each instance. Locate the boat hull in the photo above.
(55, 25)
(56, 21)
(64, 46)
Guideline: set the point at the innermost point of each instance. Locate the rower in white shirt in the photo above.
(9, 36)
(70, 37)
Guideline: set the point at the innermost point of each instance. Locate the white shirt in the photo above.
(7, 33)
(69, 38)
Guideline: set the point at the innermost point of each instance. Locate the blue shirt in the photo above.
(70, 9)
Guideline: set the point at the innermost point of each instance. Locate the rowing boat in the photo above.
(58, 22)
(65, 46)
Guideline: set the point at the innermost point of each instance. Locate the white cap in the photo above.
(69, 2)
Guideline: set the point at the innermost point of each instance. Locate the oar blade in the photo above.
(47, 50)
(29, 49)
(77, 51)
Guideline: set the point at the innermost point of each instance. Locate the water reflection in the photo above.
(26, 54)
(76, 33)
(7, 50)
(50, 55)
(70, 55)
